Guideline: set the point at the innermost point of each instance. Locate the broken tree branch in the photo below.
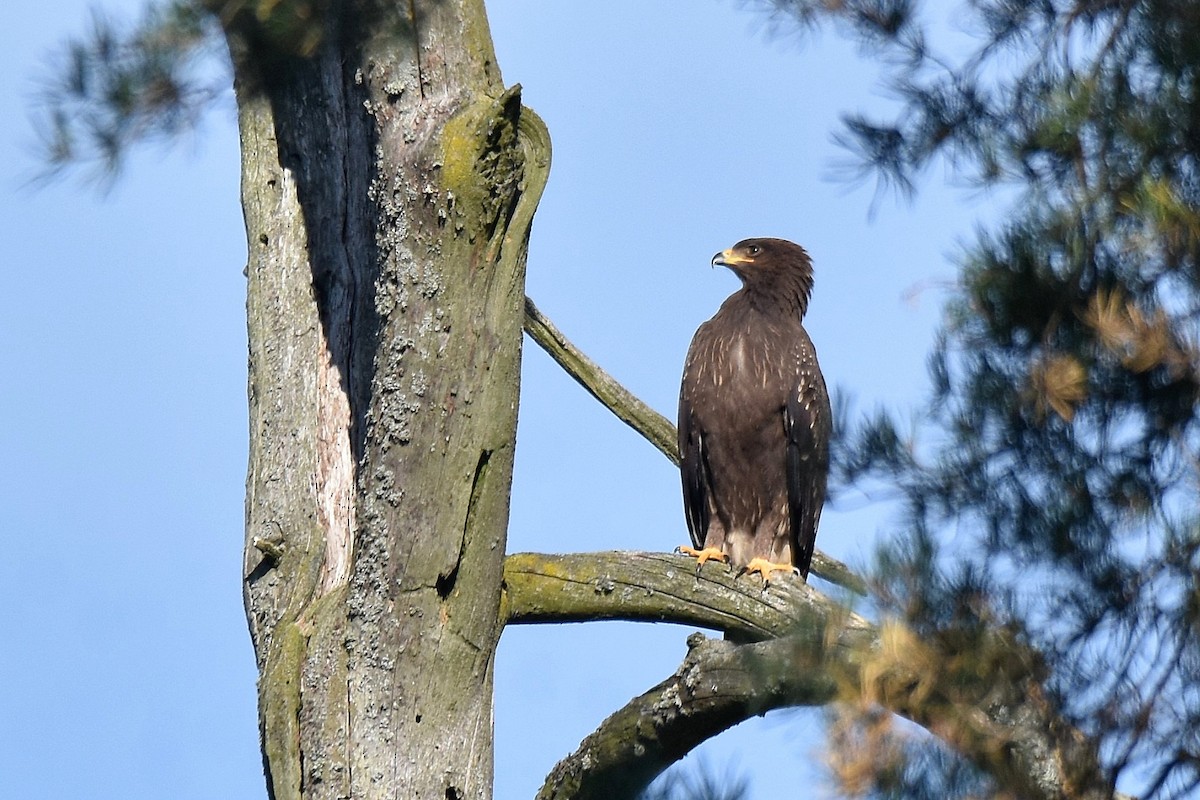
(653, 426)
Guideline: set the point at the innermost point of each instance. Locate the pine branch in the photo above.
(654, 427)
(1014, 732)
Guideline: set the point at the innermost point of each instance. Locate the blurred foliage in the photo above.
(871, 753)
(1052, 486)
(121, 84)
(697, 781)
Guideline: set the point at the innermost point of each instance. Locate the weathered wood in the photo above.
(660, 587)
(718, 685)
(389, 183)
(656, 428)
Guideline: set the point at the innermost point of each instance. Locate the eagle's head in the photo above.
(771, 269)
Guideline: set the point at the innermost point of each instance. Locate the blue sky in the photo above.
(126, 670)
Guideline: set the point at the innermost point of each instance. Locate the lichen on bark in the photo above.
(386, 282)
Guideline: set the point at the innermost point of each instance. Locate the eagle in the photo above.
(754, 418)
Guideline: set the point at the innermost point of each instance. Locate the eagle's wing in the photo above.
(693, 467)
(807, 420)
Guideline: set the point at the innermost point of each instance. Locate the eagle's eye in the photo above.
(753, 250)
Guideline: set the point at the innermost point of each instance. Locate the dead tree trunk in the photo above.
(388, 184)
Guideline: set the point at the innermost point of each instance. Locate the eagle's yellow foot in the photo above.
(765, 568)
(707, 554)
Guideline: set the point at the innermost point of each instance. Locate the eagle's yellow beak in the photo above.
(728, 258)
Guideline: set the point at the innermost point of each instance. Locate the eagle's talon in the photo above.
(764, 568)
(706, 554)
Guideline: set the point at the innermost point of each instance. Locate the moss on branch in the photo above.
(718, 685)
(812, 651)
(662, 587)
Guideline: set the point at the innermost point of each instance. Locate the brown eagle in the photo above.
(754, 418)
